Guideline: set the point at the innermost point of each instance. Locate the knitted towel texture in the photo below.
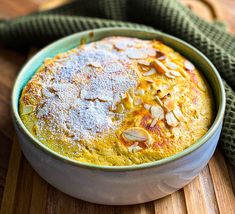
(169, 16)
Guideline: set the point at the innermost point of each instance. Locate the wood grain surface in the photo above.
(23, 191)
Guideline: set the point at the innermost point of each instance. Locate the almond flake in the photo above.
(122, 45)
(150, 72)
(159, 66)
(151, 52)
(128, 101)
(147, 106)
(160, 55)
(123, 96)
(157, 112)
(103, 46)
(178, 113)
(145, 68)
(149, 80)
(120, 108)
(135, 134)
(154, 122)
(139, 92)
(169, 104)
(158, 101)
(135, 54)
(175, 73)
(134, 147)
(95, 64)
(131, 92)
(138, 101)
(188, 65)
(144, 62)
(171, 120)
(171, 65)
(169, 75)
(27, 109)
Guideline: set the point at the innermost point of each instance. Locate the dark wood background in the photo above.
(23, 191)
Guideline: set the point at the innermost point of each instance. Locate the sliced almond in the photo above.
(124, 95)
(95, 64)
(103, 46)
(116, 98)
(172, 74)
(159, 66)
(175, 73)
(147, 106)
(135, 134)
(158, 100)
(139, 92)
(171, 120)
(149, 80)
(160, 55)
(134, 147)
(188, 65)
(113, 108)
(128, 101)
(124, 44)
(27, 109)
(178, 113)
(151, 52)
(157, 112)
(145, 69)
(169, 75)
(120, 46)
(132, 92)
(138, 101)
(154, 122)
(135, 54)
(150, 72)
(144, 62)
(172, 65)
(120, 108)
(169, 104)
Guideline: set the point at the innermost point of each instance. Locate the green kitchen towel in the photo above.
(169, 16)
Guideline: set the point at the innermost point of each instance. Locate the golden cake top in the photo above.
(118, 101)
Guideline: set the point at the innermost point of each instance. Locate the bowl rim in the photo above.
(35, 142)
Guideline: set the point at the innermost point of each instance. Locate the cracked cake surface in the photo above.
(118, 101)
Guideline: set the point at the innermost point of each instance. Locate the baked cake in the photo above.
(118, 101)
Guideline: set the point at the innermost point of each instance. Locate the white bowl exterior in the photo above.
(118, 187)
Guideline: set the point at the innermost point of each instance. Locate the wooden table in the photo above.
(23, 191)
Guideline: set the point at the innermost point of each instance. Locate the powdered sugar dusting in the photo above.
(81, 88)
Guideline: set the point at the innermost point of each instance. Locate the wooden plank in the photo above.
(89, 208)
(200, 194)
(208, 190)
(66, 204)
(222, 184)
(11, 180)
(5, 151)
(39, 195)
(24, 188)
(52, 200)
(194, 197)
(174, 203)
